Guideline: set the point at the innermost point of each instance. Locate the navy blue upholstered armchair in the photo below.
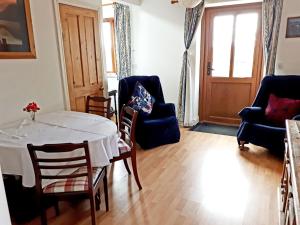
(254, 127)
(161, 126)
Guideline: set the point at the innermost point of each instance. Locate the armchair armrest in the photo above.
(252, 114)
(163, 110)
(297, 117)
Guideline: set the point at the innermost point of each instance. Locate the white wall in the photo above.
(38, 79)
(158, 45)
(288, 52)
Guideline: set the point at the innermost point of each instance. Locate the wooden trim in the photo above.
(81, 4)
(111, 21)
(237, 6)
(202, 70)
(232, 49)
(31, 54)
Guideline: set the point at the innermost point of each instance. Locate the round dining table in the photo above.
(53, 128)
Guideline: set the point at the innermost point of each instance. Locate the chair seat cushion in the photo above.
(141, 100)
(123, 146)
(280, 109)
(73, 184)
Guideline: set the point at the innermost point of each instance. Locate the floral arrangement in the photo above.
(32, 108)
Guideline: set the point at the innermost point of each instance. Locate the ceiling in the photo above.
(136, 2)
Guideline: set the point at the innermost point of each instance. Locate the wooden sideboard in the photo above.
(288, 191)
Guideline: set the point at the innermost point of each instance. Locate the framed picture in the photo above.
(16, 35)
(293, 27)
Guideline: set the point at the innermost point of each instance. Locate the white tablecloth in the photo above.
(56, 127)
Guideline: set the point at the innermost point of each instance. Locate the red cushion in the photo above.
(280, 109)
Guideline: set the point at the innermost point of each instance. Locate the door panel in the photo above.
(82, 54)
(80, 104)
(231, 37)
(221, 92)
(75, 51)
(91, 54)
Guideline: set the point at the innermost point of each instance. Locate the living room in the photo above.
(206, 177)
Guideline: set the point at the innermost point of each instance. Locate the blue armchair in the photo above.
(161, 126)
(255, 128)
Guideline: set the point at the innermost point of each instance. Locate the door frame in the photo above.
(203, 75)
(86, 5)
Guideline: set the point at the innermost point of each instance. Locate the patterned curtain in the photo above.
(272, 10)
(185, 102)
(123, 40)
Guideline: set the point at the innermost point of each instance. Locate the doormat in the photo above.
(215, 129)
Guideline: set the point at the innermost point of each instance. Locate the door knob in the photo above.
(209, 68)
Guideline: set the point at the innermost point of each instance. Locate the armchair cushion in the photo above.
(161, 110)
(141, 100)
(280, 109)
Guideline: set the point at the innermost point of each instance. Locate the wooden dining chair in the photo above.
(127, 143)
(114, 111)
(77, 177)
(98, 105)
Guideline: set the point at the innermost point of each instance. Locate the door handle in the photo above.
(209, 68)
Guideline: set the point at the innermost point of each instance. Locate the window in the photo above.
(109, 38)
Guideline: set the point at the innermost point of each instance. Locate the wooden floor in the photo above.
(204, 179)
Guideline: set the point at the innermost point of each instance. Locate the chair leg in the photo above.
(98, 200)
(93, 212)
(105, 191)
(43, 213)
(126, 166)
(135, 173)
(117, 123)
(56, 207)
(242, 145)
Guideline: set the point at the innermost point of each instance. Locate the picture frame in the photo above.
(16, 32)
(293, 27)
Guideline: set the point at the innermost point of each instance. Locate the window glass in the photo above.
(108, 46)
(222, 39)
(108, 37)
(244, 43)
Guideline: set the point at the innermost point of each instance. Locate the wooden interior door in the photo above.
(232, 61)
(80, 28)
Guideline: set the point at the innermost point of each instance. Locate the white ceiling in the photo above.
(210, 2)
(136, 2)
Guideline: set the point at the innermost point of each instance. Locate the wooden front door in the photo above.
(81, 40)
(232, 61)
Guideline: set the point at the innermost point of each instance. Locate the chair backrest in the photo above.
(151, 83)
(51, 157)
(113, 93)
(127, 128)
(98, 105)
(282, 86)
